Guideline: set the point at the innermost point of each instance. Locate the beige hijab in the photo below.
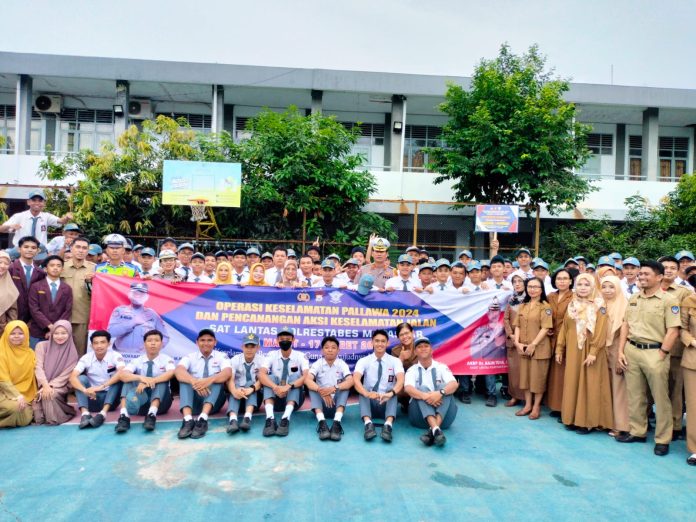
(616, 308)
(8, 290)
(584, 310)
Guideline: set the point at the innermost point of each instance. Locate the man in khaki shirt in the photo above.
(688, 362)
(78, 274)
(647, 337)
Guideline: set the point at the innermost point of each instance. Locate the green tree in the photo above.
(511, 138)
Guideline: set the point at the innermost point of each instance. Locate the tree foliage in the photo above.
(294, 167)
(511, 138)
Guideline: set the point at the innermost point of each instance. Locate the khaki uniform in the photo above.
(676, 376)
(381, 275)
(688, 362)
(531, 318)
(75, 278)
(648, 319)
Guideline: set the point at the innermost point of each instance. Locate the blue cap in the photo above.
(327, 264)
(285, 330)
(606, 260)
(473, 265)
(425, 266)
(682, 254)
(458, 264)
(71, 227)
(523, 251)
(94, 250)
(147, 251)
(38, 193)
(631, 261)
(351, 261)
(541, 264)
(140, 287)
(616, 256)
(570, 260)
(250, 339)
(421, 340)
(580, 258)
(198, 255)
(405, 258)
(466, 253)
(515, 264)
(185, 245)
(291, 253)
(590, 266)
(412, 248)
(485, 262)
(442, 262)
(365, 284)
(253, 251)
(135, 401)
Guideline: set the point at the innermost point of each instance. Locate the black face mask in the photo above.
(285, 345)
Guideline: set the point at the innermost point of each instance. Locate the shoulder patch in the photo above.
(675, 309)
(602, 310)
(548, 311)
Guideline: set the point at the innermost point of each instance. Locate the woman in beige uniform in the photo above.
(562, 281)
(513, 357)
(616, 302)
(582, 340)
(688, 337)
(532, 323)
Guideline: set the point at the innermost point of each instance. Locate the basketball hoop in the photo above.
(198, 209)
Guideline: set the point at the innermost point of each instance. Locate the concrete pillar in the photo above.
(23, 114)
(398, 119)
(692, 167)
(387, 141)
(218, 109)
(620, 165)
(317, 97)
(122, 99)
(650, 167)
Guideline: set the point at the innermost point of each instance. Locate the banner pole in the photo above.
(536, 232)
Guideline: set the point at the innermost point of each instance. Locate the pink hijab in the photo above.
(58, 358)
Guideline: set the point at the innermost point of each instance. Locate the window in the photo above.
(8, 124)
(635, 158)
(602, 144)
(371, 135)
(240, 132)
(197, 122)
(440, 243)
(84, 129)
(673, 157)
(417, 138)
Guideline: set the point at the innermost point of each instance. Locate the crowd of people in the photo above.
(598, 345)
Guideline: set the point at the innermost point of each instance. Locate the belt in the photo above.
(645, 346)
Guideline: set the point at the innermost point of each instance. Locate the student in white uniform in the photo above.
(475, 283)
(329, 381)
(629, 283)
(497, 280)
(431, 386)
(686, 259)
(404, 280)
(523, 257)
(244, 385)
(442, 277)
(197, 274)
(201, 377)
(282, 375)
(541, 270)
(146, 384)
(378, 378)
(96, 381)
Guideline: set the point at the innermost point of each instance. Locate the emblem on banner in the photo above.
(303, 296)
(335, 297)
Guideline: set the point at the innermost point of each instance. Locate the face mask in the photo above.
(285, 345)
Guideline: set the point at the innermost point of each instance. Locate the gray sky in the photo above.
(648, 42)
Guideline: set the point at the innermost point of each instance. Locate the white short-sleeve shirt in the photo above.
(329, 375)
(504, 285)
(297, 365)
(368, 367)
(98, 372)
(239, 370)
(421, 377)
(397, 283)
(195, 363)
(24, 219)
(162, 364)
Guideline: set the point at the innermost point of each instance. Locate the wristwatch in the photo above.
(442, 392)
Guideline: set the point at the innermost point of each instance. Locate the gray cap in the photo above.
(250, 339)
(253, 251)
(38, 193)
(365, 284)
(185, 245)
(140, 287)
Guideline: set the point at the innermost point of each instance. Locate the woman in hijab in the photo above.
(223, 274)
(8, 292)
(290, 278)
(55, 360)
(513, 358)
(617, 303)
(582, 341)
(257, 275)
(562, 281)
(17, 382)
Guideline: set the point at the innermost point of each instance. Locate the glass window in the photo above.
(80, 129)
(416, 139)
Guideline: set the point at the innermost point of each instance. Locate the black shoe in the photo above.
(571, 427)
(556, 414)
(505, 393)
(387, 433)
(630, 438)
(465, 398)
(199, 429)
(582, 431)
(661, 450)
(492, 401)
(439, 438)
(186, 429)
(323, 430)
(370, 432)
(85, 421)
(97, 420)
(123, 424)
(245, 425)
(149, 422)
(269, 429)
(427, 438)
(283, 428)
(691, 461)
(336, 430)
(677, 435)
(232, 427)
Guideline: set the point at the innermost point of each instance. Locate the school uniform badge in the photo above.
(675, 309)
(602, 310)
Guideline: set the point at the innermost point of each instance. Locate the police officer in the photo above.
(128, 323)
(647, 338)
(244, 385)
(431, 386)
(379, 269)
(115, 265)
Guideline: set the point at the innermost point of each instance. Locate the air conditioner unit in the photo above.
(140, 109)
(52, 103)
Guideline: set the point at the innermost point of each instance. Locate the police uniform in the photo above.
(648, 319)
(282, 371)
(150, 368)
(676, 377)
(123, 269)
(378, 375)
(245, 375)
(531, 318)
(688, 362)
(434, 378)
(200, 368)
(488, 342)
(93, 372)
(128, 324)
(326, 375)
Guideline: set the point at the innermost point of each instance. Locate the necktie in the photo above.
(54, 291)
(477, 289)
(34, 222)
(284, 375)
(379, 376)
(27, 270)
(498, 286)
(405, 283)
(442, 286)
(186, 273)
(630, 288)
(205, 369)
(196, 279)
(433, 373)
(239, 277)
(309, 281)
(279, 276)
(683, 283)
(150, 364)
(329, 286)
(249, 378)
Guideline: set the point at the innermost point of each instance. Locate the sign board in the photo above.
(497, 218)
(216, 184)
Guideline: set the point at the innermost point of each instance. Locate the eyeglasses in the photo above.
(533, 286)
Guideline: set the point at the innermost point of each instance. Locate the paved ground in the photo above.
(494, 467)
